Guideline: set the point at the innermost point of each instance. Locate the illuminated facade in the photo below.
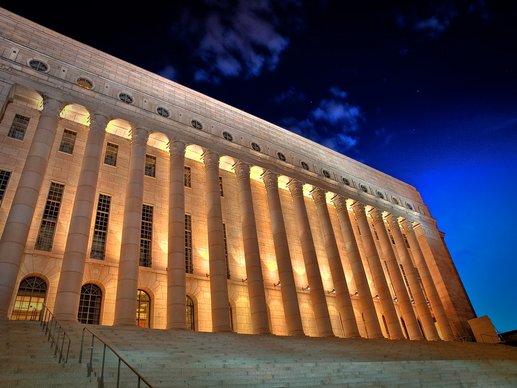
(129, 199)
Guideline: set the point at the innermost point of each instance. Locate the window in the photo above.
(395, 201)
(146, 236)
(18, 127)
(346, 181)
(221, 191)
(68, 141)
(390, 235)
(225, 240)
(110, 157)
(100, 229)
(38, 65)
(326, 174)
(90, 304)
(85, 83)
(48, 225)
(304, 165)
(228, 136)
(364, 188)
(255, 146)
(30, 299)
(406, 281)
(187, 177)
(281, 156)
(189, 264)
(380, 195)
(189, 311)
(4, 180)
(143, 309)
(408, 205)
(196, 124)
(150, 166)
(124, 97)
(163, 112)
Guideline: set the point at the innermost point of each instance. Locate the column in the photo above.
(395, 332)
(413, 283)
(406, 308)
(428, 283)
(344, 303)
(258, 306)
(176, 318)
(283, 258)
(127, 284)
(317, 292)
(16, 230)
(72, 267)
(217, 262)
(373, 329)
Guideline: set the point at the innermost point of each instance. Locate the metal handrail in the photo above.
(100, 379)
(55, 333)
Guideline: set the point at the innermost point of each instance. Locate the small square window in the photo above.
(110, 158)
(18, 127)
(4, 180)
(221, 191)
(68, 141)
(150, 166)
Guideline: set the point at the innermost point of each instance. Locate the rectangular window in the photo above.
(146, 236)
(150, 166)
(187, 177)
(68, 141)
(100, 230)
(221, 191)
(18, 127)
(49, 221)
(110, 158)
(391, 236)
(189, 265)
(4, 180)
(406, 281)
(225, 240)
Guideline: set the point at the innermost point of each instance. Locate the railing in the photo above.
(120, 360)
(55, 333)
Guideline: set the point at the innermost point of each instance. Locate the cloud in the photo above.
(169, 72)
(333, 123)
(433, 18)
(239, 38)
(290, 95)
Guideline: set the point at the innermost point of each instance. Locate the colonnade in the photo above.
(388, 263)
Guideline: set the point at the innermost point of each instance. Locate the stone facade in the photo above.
(316, 244)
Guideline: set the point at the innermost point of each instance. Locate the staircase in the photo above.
(27, 360)
(183, 358)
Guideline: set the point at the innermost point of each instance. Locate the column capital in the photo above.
(211, 158)
(391, 219)
(99, 121)
(319, 196)
(340, 203)
(376, 215)
(358, 207)
(140, 134)
(52, 106)
(176, 147)
(270, 179)
(295, 187)
(406, 224)
(242, 170)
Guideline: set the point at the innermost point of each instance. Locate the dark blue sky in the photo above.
(425, 91)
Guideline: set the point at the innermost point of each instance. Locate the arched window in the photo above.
(364, 188)
(281, 156)
(90, 304)
(255, 146)
(395, 201)
(304, 165)
(30, 299)
(143, 309)
(326, 174)
(191, 322)
(380, 195)
(228, 136)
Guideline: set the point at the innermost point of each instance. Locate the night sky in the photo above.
(425, 91)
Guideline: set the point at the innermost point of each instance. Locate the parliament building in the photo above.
(128, 199)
